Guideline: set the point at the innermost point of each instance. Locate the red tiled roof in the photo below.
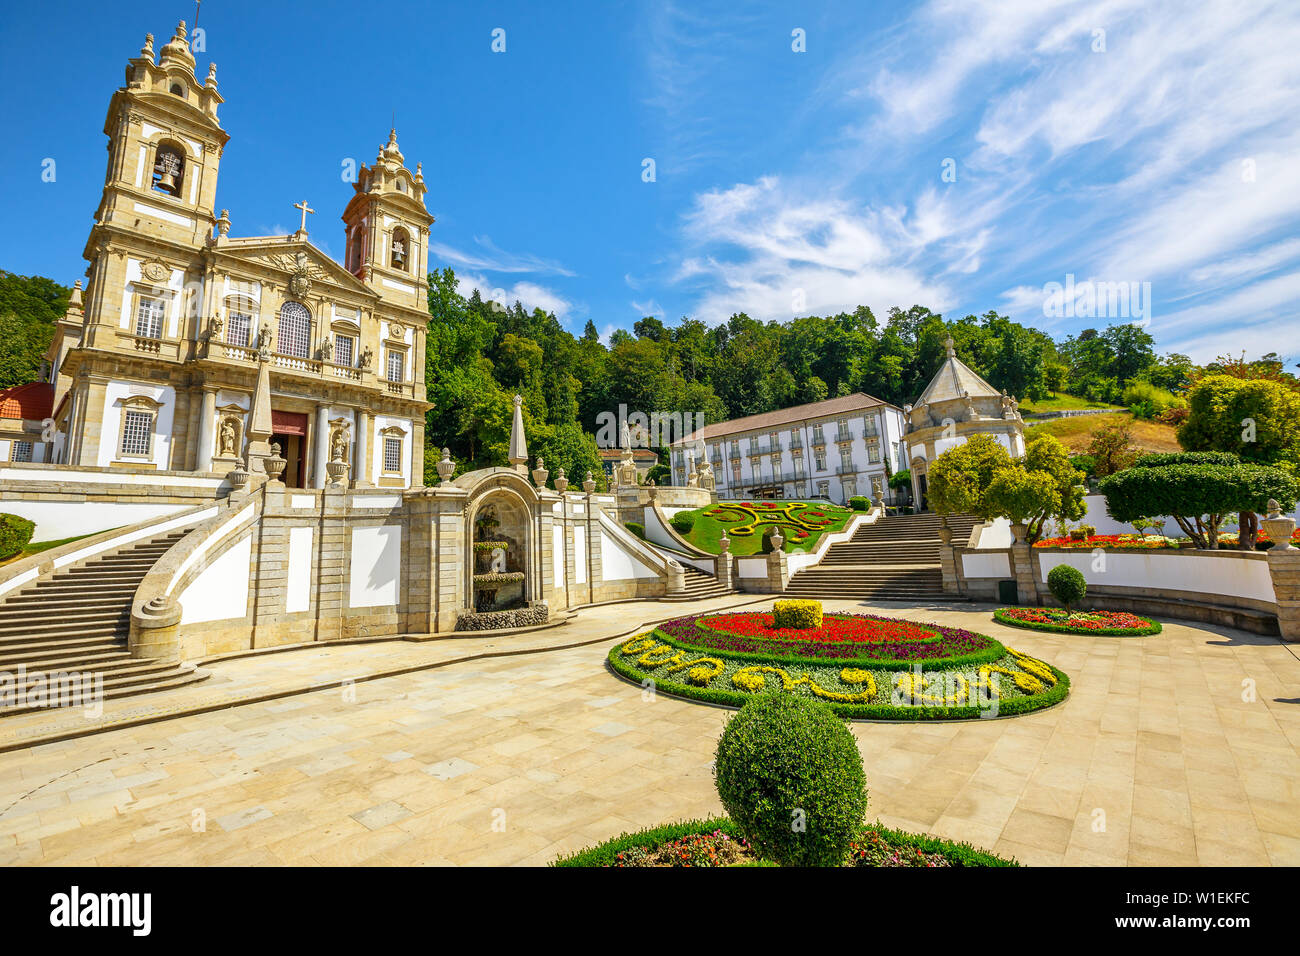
(638, 454)
(841, 405)
(33, 401)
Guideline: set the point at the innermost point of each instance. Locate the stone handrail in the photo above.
(33, 567)
(156, 608)
(674, 573)
(680, 543)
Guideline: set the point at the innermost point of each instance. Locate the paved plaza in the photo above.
(1176, 749)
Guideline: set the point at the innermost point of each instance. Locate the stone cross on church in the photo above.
(305, 209)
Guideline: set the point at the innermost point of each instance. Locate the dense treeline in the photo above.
(480, 353)
(29, 307)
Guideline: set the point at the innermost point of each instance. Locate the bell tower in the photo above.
(388, 228)
(164, 149)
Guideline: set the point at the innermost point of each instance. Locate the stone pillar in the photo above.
(676, 577)
(320, 446)
(1022, 566)
(417, 453)
(778, 571)
(725, 569)
(1284, 568)
(207, 431)
(361, 451)
(948, 560)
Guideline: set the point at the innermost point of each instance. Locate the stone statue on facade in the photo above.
(327, 349)
(228, 439)
(339, 445)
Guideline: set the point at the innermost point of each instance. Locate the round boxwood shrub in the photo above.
(15, 533)
(789, 773)
(683, 522)
(1067, 585)
(860, 503)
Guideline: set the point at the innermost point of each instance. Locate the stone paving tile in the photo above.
(1157, 758)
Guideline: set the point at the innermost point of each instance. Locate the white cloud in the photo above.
(530, 294)
(773, 254)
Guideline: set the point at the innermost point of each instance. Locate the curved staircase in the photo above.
(76, 621)
(894, 559)
(699, 585)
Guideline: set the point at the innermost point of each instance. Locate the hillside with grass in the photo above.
(1076, 432)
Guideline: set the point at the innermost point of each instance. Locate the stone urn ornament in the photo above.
(238, 476)
(589, 484)
(274, 463)
(337, 470)
(778, 540)
(561, 483)
(1018, 532)
(540, 474)
(945, 532)
(1279, 527)
(446, 467)
(724, 544)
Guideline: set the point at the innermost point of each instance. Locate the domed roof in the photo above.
(956, 380)
(177, 50)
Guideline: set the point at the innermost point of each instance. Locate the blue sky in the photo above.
(1109, 141)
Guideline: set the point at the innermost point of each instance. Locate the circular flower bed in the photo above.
(864, 666)
(719, 842)
(1103, 623)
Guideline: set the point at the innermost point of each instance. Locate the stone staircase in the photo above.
(76, 621)
(894, 559)
(699, 585)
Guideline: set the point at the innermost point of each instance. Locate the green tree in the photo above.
(1256, 419)
(1197, 489)
(959, 479)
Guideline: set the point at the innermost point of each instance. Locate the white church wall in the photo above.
(298, 579)
(376, 441)
(617, 565)
(376, 566)
(220, 591)
(161, 447)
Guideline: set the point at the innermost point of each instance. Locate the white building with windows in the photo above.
(833, 449)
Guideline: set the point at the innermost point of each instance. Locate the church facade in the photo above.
(185, 334)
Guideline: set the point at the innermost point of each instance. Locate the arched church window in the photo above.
(401, 249)
(357, 248)
(178, 90)
(295, 330)
(168, 169)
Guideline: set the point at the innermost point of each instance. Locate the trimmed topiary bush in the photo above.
(682, 522)
(15, 534)
(636, 528)
(860, 503)
(1067, 585)
(790, 774)
(799, 614)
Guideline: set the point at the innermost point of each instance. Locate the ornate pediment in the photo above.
(300, 262)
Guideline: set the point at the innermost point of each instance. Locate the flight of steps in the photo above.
(894, 559)
(699, 585)
(77, 621)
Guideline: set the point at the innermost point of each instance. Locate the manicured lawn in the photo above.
(1076, 433)
(36, 547)
(1060, 402)
(737, 517)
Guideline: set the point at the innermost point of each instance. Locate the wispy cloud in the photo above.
(492, 259)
